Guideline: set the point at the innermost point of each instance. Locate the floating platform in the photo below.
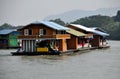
(36, 53)
(100, 47)
(57, 52)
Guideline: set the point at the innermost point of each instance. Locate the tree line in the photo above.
(107, 23)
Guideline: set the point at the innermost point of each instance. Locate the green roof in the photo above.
(74, 32)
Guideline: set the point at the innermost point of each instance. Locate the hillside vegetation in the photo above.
(110, 24)
(107, 23)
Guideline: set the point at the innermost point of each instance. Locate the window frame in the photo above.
(26, 32)
(42, 31)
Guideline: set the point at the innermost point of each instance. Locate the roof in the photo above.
(51, 25)
(100, 33)
(74, 32)
(94, 31)
(82, 27)
(6, 31)
(99, 29)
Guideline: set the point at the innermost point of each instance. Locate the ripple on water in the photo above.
(96, 64)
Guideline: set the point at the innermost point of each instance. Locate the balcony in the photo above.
(57, 36)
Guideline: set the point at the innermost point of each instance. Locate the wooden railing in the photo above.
(57, 36)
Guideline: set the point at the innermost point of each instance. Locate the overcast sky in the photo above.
(20, 12)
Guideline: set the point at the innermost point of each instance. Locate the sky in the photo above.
(22, 12)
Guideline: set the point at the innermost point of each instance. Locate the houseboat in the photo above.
(42, 37)
(8, 38)
(95, 37)
(49, 38)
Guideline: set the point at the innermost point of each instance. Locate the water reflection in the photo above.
(48, 57)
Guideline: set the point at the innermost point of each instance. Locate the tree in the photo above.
(115, 31)
(59, 21)
(94, 21)
(6, 26)
(117, 17)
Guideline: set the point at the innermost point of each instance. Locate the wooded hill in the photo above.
(109, 24)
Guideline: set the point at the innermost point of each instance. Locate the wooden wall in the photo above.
(72, 43)
(35, 29)
(96, 41)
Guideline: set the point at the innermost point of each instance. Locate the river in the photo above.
(94, 64)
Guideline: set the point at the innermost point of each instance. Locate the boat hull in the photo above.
(35, 53)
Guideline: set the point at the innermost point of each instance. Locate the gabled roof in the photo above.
(99, 29)
(90, 30)
(6, 31)
(51, 25)
(82, 27)
(74, 32)
(100, 33)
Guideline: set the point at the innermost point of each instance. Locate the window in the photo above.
(60, 32)
(42, 32)
(28, 32)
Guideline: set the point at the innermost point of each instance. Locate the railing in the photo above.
(3, 45)
(59, 36)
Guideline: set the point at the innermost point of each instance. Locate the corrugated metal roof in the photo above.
(51, 25)
(6, 31)
(82, 27)
(100, 33)
(74, 32)
(90, 30)
(99, 29)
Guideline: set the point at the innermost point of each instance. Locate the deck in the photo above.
(57, 52)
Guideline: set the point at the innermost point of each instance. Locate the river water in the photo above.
(94, 64)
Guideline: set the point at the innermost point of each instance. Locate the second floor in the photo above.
(43, 29)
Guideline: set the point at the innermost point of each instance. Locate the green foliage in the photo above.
(110, 24)
(59, 21)
(94, 21)
(6, 26)
(115, 31)
(117, 17)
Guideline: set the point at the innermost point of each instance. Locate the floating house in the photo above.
(94, 36)
(75, 40)
(102, 35)
(41, 36)
(44, 37)
(8, 38)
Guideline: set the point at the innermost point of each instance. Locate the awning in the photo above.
(74, 32)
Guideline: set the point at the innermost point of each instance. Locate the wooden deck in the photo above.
(35, 53)
(58, 53)
(85, 49)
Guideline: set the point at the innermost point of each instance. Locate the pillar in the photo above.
(63, 45)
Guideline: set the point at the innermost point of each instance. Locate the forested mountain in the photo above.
(8, 26)
(110, 24)
(107, 23)
(72, 15)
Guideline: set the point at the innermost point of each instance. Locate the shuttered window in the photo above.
(26, 32)
(42, 32)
